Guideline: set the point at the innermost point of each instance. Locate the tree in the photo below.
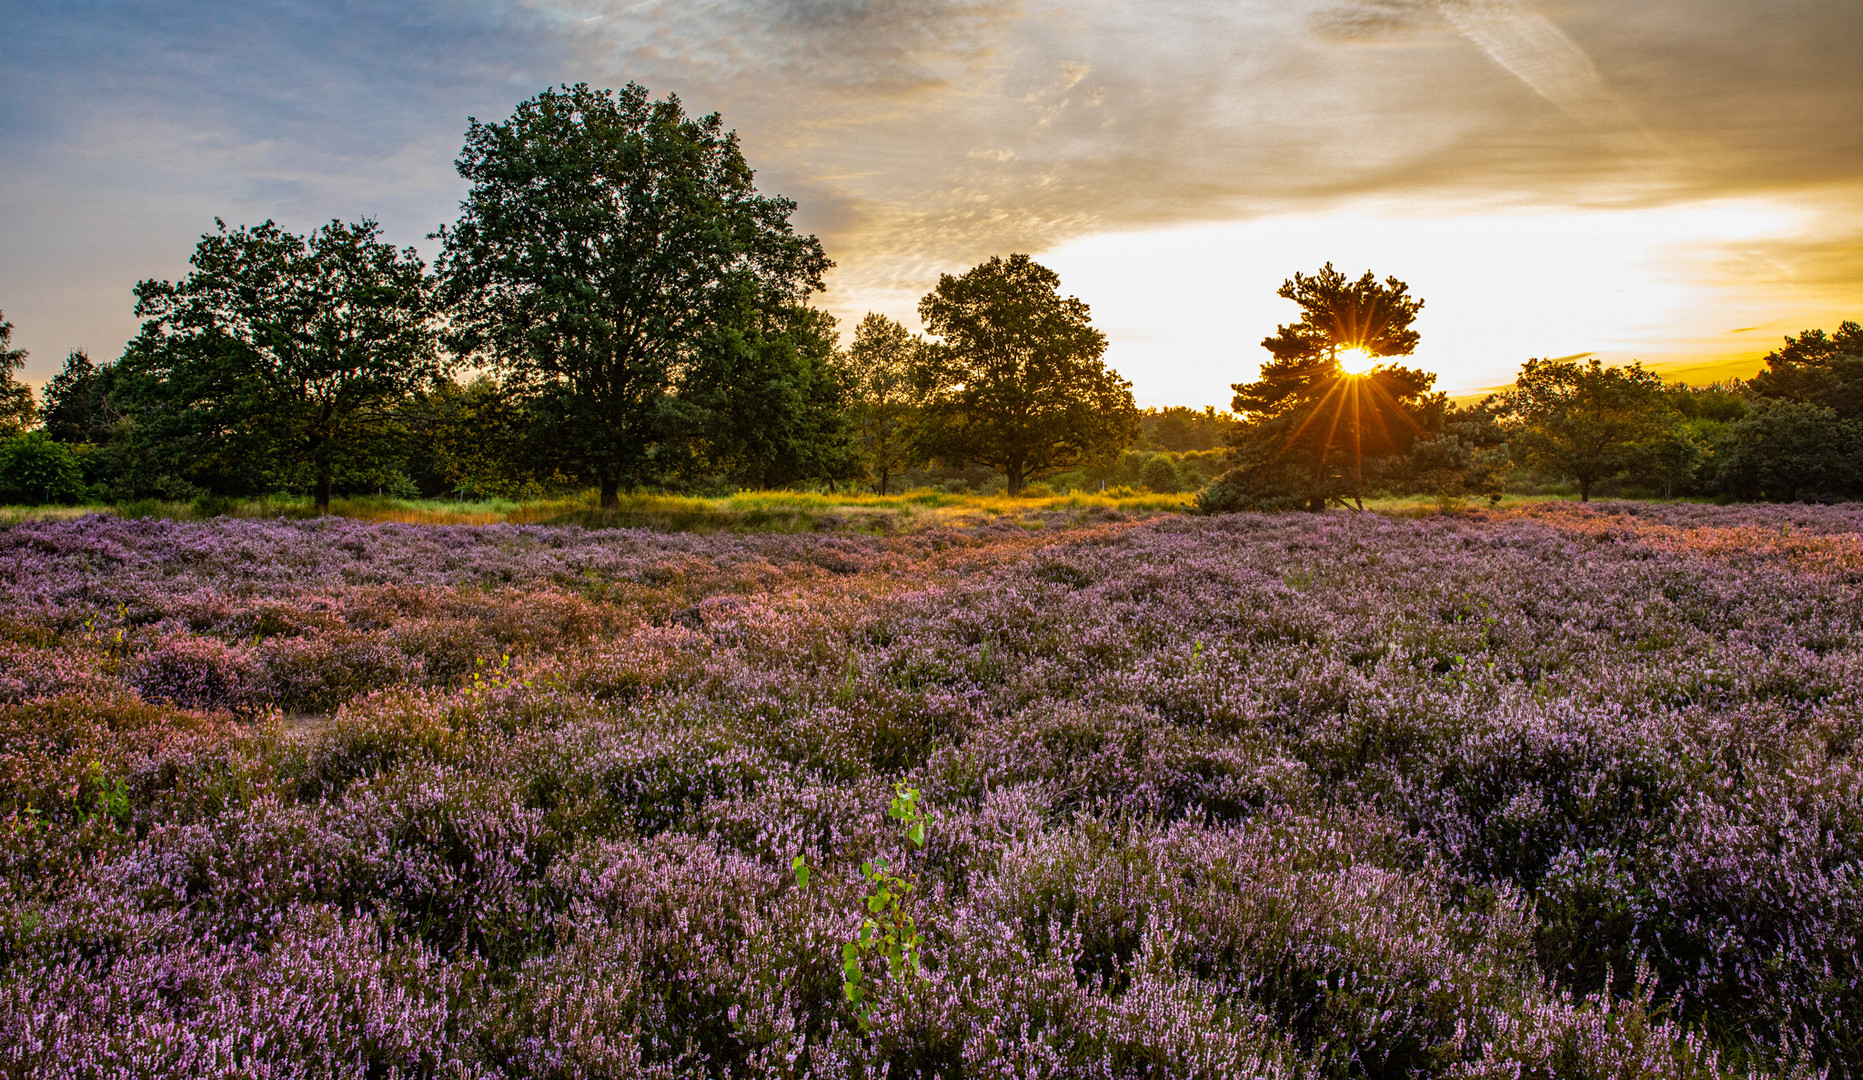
(288, 348)
(1588, 421)
(769, 402)
(882, 364)
(466, 440)
(1337, 315)
(1817, 370)
(1017, 381)
(1181, 428)
(16, 405)
(1308, 424)
(1465, 454)
(1785, 449)
(78, 408)
(606, 241)
(1159, 474)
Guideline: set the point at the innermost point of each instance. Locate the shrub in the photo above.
(1160, 475)
(36, 470)
(197, 673)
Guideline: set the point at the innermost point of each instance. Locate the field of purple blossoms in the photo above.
(1564, 792)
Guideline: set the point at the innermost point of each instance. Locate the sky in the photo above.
(1674, 181)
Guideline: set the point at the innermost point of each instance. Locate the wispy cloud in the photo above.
(918, 135)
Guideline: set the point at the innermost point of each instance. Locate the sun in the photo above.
(1356, 361)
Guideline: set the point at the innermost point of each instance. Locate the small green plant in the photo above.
(110, 801)
(487, 680)
(115, 645)
(888, 929)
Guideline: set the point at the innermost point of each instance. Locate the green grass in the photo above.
(744, 512)
(749, 511)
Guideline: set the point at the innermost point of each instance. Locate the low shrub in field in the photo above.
(1557, 793)
(196, 673)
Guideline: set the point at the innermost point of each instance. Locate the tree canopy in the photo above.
(77, 407)
(1308, 426)
(1817, 369)
(1336, 315)
(285, 350)
(770, 402)
(1588, 421)
(16, 404)
(607, 241)
(882, 365)
(1017, 379)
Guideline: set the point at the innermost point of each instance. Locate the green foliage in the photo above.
(888, 930)
(78, 408)
(1817, 369)
(1785, 449)
(16, 404)
(1588, 421)
(35, 470)
(1017, 381)
(1310, 431)
(1336, 314)
(769, 403)
(468, 441)
(1179, 428)
(280, 358)
(1465, 455)
(1160, 475)
(607, 242)
(881, 365)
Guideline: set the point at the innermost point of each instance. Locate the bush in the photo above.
(36, 470)
(1782, 449)
(1161, 476)
(1235, 491)
(196, 673)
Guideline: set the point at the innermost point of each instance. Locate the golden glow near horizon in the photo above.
(1357, 361)
(1698, 291)
(1552, 180)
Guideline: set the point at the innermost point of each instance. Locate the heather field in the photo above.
(1551, 792)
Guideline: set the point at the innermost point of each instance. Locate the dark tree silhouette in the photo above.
(1817, 369)
(882, 363)
(16, 405)
(1336, 314)
(1588, 421)
(1308, 425)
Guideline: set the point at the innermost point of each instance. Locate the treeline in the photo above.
(1332, 419)
(617, 307)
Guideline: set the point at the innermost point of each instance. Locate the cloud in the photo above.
(922, 135)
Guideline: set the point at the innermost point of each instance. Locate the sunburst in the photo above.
(1356, 361)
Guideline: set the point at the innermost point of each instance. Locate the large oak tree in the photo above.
(281, 352)
(607, 242)
(1017, 381)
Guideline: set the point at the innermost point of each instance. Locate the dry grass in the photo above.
(749, 511)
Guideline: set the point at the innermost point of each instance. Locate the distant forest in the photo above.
(618, 308)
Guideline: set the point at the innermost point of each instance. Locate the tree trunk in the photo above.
(1584, 491)
(884, 476)
(1015, 478)
(1316, 504)
(611, 492)
(323, 490)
